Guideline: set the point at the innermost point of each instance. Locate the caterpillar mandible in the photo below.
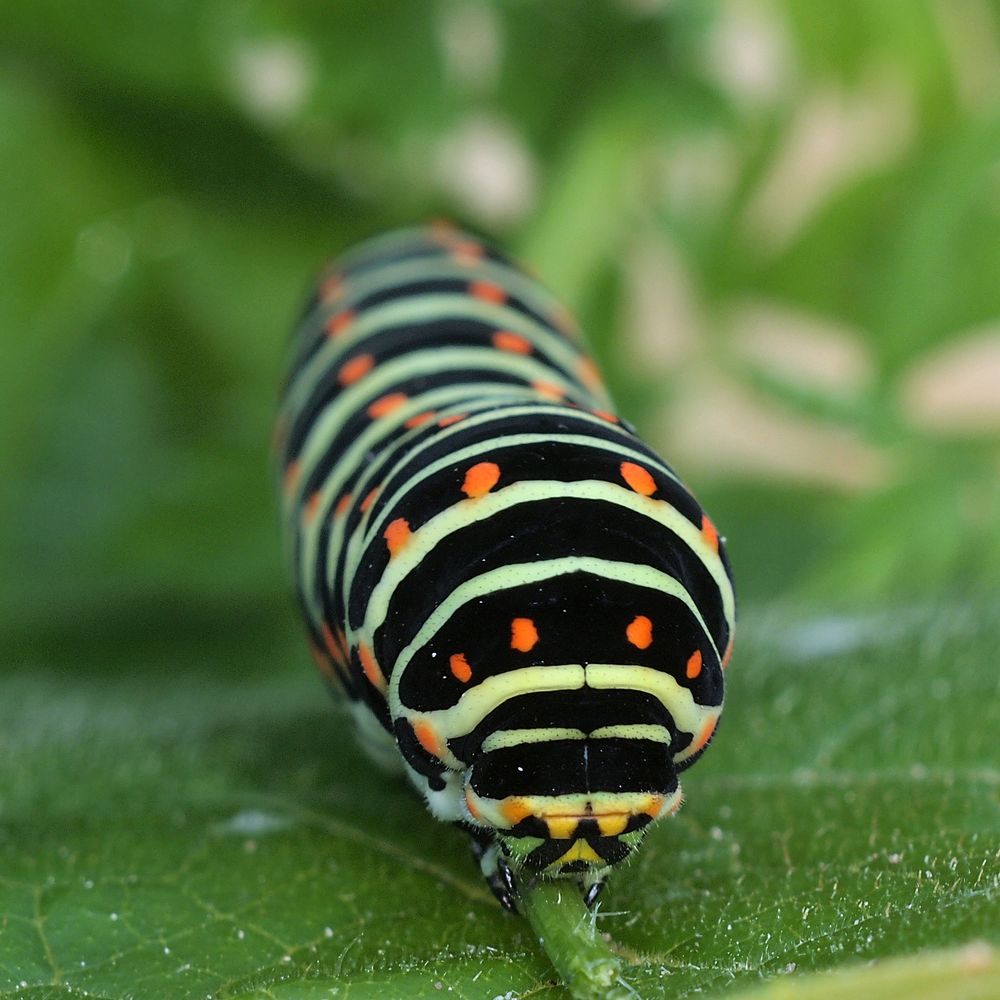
(523, 605)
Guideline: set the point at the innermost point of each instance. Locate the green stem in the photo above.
(566, 930)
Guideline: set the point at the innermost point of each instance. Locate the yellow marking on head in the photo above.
(612, 824)
(562, 827)
(580, 851)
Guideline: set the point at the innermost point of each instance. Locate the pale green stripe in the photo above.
(356, 397)
(427, 309)
(467, 512)
(517, 574)
(502, 739)
(476, 703)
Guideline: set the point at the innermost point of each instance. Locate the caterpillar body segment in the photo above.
(521, 601)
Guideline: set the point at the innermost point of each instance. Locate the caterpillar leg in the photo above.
(497, 872)
(592, 892)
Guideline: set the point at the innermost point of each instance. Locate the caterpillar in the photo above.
(525, 609)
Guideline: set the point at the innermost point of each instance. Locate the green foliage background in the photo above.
(181, 813)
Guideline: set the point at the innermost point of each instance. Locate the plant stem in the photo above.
(566, 930)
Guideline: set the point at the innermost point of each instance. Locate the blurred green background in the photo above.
(778, 222)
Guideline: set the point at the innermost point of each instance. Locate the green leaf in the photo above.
(184, 833)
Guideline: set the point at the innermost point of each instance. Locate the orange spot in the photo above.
(504, 340)
(336, 325)
(694, 665)
(471, 805)
(342, 504)
(291, 478)
(640, 632)
(638, 479)
(331, 289)
(427, 737)
(548, 389)
(335, 650)
(419, 419)
(441, 230)
(480, 479)
(311, 508)
(460, 667)
(563, 319)
(523, 635)
(588, 374)
(384, 406)
(605, 415)
(352, 370)
(709, 533)
(371, 668)
(466, 253)
(654, 807)
(705, 735)
(728, 655)
(369, 499)
(514, 810)
(397, 534)
(487, 291)
(453, 419)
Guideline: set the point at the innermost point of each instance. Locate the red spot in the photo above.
(342, 504)
(460, 667)
(352, 370)
(728, 655)
(331, 289)
(290, 481)
(428, 738)
(419, 419)
(335, 650)
(311, 508)
(638, 479)
(371, 668)
(480, 479)
(694, 665)
(471, 805)
(588, 374)
(441, 231)
(548, 389)
(397, 534)
(466, 253)
(487, 291)
(640, 632)
(605, 415)
(369, 499)
(523, 635)
(384, 406)
(336, 325)
(705, 735)
(504, 340)
(562, 319)
(453, 419)
(709, 533)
